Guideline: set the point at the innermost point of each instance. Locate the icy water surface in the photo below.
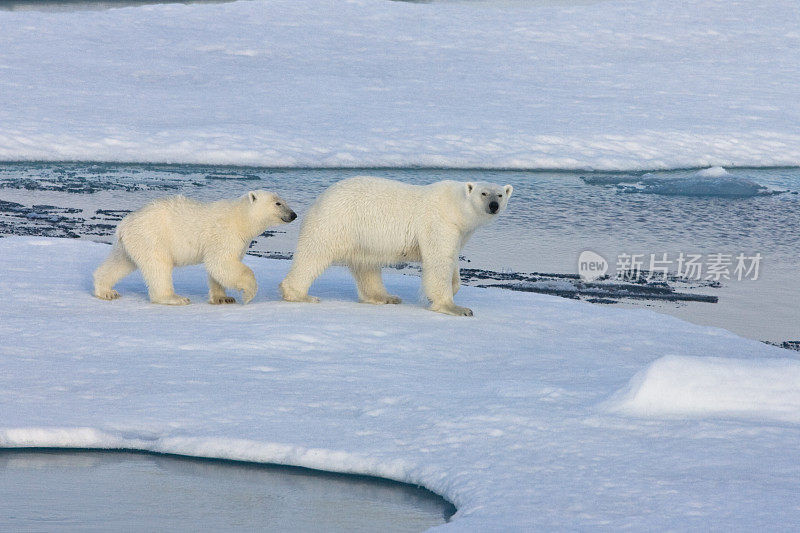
(551, 218)
(121, 491)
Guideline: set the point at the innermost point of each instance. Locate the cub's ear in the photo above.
(509, 190)
(252, 196)
(470, 187)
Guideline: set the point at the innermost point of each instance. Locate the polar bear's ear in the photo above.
(509, 190)
(252, 196)
(470, 187)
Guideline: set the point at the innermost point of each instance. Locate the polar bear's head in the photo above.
(268, 209)
(488, 199)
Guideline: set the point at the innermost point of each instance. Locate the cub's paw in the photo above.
(215, 300)
(106, 294)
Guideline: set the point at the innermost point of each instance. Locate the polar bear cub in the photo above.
(366, 223)
(177, 231)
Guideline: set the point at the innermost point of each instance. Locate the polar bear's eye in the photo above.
(483, 194)
(277, 203)
(499, 195)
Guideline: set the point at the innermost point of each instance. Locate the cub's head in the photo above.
(268, 209)
(488, 199)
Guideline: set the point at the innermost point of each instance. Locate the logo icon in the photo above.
(591, 265)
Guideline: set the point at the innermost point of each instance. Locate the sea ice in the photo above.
(712, 172)
(714, 182)
(612, 85)
(678, 387)
(504, 414)
(721, 185)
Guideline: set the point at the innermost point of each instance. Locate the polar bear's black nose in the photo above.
(293, 216)
(493, 207)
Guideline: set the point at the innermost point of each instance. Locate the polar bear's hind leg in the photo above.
(370, 285)
(306, 267)
(114, 268)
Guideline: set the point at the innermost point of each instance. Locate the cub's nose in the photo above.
(493, 207)
(293, 216)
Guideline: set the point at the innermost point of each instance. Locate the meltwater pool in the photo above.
(81, 490)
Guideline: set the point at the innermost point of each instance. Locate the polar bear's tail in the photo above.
(114, 268)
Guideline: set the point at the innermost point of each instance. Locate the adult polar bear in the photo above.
(366, 223)
(177, 231)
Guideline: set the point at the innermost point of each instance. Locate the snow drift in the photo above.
(678, 387)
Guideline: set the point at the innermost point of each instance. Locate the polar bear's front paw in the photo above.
(452, 309)
(222, 300)
(462, 311)
(291, 295)
(305, 299)
(106, 294)
(385, 299)
(172, 300)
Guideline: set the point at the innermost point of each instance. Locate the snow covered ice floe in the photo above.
(713, 182)
(712, 172)
(610, 85)
(503, 414)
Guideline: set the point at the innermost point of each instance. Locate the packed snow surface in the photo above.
(617, 84)
(507, 414)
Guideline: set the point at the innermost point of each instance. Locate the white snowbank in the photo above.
(497, 413)
(707, 386)
(605, 85)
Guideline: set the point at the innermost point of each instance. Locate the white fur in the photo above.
(177, 231)
(367, 223)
